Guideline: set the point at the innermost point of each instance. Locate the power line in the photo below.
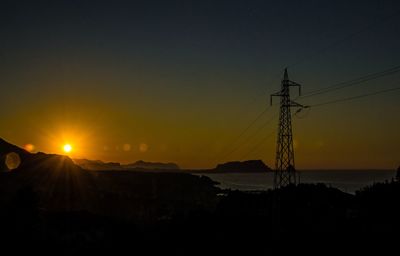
(332, 45)
(316, 92)
(258, 145)
(265, 138)
(333, 87)
(355, 97)
(249, 138)
(243, 132)
(261, 128)
(246, 141)
(353, 82)
(323, 104)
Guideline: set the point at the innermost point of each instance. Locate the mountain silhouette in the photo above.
(10, 153)
(245, 166)
(97, 165)
(60, 185)
(152, 165)
(54, 176)
(6, 147)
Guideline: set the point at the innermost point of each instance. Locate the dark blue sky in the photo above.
(206, 65)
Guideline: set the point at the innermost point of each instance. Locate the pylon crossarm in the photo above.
(291, 83)
(295, 104)
(274, 95)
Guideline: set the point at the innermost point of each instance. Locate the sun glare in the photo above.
(67, 148)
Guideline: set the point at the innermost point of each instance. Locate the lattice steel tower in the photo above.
(285, 172)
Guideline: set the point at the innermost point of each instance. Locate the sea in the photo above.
(346, 180)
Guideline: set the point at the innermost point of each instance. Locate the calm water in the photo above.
(345, 180)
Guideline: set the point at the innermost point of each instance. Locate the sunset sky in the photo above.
(172, 81)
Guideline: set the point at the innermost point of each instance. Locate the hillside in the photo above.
(152, 165)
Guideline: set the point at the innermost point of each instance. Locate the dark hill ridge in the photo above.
(9, 152)
(51, 176)
(152, 165)
(97, 165)
(58, 185)
(6, 148)
(50, 200)
(28, 160)
(245, 166)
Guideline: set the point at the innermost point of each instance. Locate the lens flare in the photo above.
(29, 147)
(127, 147)
(12, 161)
(143, 147)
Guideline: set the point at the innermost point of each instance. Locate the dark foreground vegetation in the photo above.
(140, 209)
(52, 205)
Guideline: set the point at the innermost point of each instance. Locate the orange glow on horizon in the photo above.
(66, 139)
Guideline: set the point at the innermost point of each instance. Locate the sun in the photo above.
(67, 148)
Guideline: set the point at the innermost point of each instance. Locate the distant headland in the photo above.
(98, 165)
(249, 166)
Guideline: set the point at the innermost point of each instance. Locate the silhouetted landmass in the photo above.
(249, 166)
(152, 165)
(50, 200)
(6, 149)
(97, 165)
(245, 166)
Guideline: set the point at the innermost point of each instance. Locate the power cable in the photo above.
(355, 97)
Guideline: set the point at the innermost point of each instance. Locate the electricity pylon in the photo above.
(285, 172)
